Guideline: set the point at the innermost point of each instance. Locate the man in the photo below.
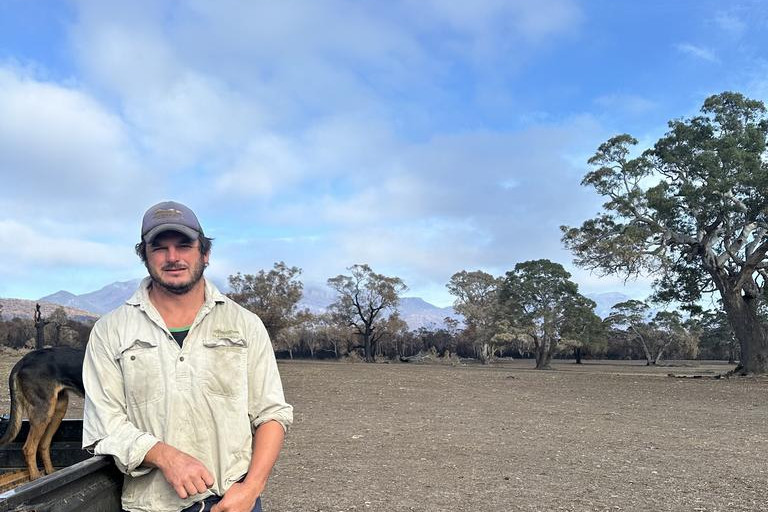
(182, 387)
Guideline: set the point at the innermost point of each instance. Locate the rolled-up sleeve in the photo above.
(266, 400)
(106, 428)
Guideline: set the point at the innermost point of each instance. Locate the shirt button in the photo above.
(133, 358)
(181, 358)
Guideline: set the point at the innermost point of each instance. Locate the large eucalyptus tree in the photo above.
(692, 211)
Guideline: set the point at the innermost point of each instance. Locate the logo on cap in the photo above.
(167, 213)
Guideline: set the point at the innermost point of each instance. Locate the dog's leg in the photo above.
(44, 449)
(40, 415)
(30, 449)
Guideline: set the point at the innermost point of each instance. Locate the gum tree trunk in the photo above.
(544, 350)
(368, 346)
(750, 330)
(751, 333)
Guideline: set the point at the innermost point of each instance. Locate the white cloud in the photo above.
(38, 264)
(266, 166)
(60, 149)
(398, 181)
(349, 56)
(25, 244)
(251, 46)
(227, 99)
(698, 52)
(181, 115)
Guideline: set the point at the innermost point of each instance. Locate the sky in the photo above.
(421, 137)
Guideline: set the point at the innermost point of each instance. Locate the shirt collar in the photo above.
(141, 295)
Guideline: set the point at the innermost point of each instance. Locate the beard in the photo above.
(196, 271)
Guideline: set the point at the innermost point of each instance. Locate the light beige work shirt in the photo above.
(204, 398)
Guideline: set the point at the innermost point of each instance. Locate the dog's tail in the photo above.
(14, 422)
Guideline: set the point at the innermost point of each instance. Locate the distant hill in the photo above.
(101, 301)
(316, 298)
(418, 313)
(22, 308)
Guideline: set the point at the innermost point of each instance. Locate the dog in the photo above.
(39, 385)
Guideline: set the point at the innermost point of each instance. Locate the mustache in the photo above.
(174, 267)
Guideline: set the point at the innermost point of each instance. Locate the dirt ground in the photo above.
(594, 437)
(599, 436)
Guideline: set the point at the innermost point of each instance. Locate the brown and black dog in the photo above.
(39, 385)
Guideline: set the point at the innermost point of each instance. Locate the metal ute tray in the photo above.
(85, 484)
(65, 447)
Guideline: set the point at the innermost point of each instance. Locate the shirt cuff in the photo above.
(138, 451)
(282, 420)
(129, 460)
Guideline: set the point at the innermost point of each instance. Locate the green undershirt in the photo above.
(179, 333)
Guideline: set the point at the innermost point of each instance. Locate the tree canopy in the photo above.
(690, 211)
(477, 300)
(363, 297)
(272, 295)
(543, 303)
(655, 333)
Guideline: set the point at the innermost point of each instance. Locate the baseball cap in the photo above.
(170, 216)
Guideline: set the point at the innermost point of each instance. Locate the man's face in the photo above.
(174, 262)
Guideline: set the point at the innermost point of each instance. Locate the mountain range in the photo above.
(100, 301)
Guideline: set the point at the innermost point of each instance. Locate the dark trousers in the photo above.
(206, 504)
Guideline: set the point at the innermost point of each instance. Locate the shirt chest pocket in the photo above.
(140, 362)
(223, 368)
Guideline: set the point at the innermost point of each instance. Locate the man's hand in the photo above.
(187, 475)
(238, 498)
(242, 496)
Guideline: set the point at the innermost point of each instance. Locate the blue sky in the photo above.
(422, 137)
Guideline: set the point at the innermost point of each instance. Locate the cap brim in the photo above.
(184, 230)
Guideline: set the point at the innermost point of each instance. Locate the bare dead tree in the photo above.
(40, 324)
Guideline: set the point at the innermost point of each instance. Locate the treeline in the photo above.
(533, 311)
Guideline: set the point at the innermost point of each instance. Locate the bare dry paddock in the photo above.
(600, 436)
